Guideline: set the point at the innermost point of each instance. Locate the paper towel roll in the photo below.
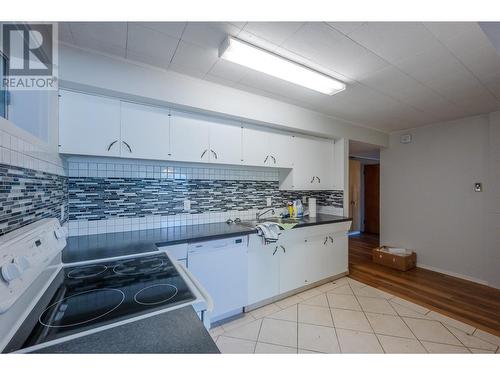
(312, 207)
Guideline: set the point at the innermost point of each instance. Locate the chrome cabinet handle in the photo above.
(274, 159)
(275, 250)
(283, 248)
(318, 179)
(267, 157)
(214, 153)
(111, 144)
(128, 146)
(203, 154)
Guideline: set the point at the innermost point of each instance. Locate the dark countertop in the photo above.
(176, 331)
(100, 246)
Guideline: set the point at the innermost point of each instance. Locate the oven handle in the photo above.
(205, 295)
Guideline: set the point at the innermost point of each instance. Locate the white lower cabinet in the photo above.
(263, 270)
(301, 257)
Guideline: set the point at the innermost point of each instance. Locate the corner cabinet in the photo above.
(313, 165)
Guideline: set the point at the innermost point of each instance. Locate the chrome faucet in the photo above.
(259, 214)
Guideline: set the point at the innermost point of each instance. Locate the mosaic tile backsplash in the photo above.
(27, 195)
(95, 198)
(112, 195)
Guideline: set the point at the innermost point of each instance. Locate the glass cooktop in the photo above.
(91, 296)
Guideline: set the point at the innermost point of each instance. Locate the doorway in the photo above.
(372, 198)
(364, 195)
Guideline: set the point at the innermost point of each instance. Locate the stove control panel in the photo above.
(24, 254)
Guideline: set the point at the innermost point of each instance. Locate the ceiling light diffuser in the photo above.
(256, 58)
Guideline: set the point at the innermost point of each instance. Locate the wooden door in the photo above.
(354, 193)
(372, 198)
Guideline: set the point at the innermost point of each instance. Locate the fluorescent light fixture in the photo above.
(256, 58)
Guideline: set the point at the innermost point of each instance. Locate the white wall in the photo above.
(493, 197)
(93, 72)
(428, 202)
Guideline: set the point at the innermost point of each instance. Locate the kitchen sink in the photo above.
(277, 220)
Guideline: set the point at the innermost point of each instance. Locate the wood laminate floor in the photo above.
(469, 302)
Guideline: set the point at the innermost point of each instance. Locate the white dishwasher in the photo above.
(221, 268)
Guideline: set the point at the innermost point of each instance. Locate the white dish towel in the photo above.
(268, 231)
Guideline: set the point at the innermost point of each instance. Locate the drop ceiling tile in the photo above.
(193, 60)
(446, 31)
(441, 71)
(328, 47)
(105, 33)
(345, 27)
(173, 29)
(274, 32)
(157, 48)
(208, 34)
(85, 41)
(395, 41)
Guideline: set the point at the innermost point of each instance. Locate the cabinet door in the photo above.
(293, 266)
(88, 124)
(225, 143)
(145, 132)
(263, 271)
(313, 164)
(281, 150)
(189, 138)
(255, 147)
(325, 161)
(321, 257)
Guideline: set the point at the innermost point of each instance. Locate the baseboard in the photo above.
(454, 274)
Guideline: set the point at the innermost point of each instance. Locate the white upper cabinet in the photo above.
(88, 124)
(145, 132)
(190, 138)
(266, 148)
(198, 139)
(100, 126)
(225, 143)
(313, 165)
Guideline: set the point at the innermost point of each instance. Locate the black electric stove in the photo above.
(86, 297)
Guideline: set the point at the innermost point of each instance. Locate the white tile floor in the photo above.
(346, 316)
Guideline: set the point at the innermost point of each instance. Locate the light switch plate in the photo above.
(187, 204)
(269, 202)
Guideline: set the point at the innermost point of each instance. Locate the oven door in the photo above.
(203, 304)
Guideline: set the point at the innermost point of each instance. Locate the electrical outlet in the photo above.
(187, 205)
(304, 199)
(269, 202)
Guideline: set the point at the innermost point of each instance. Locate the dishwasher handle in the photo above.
(205, 295)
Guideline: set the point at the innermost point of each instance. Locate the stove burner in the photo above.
(138, 267)
(85, 272)
(155, 294)
(61, 313)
